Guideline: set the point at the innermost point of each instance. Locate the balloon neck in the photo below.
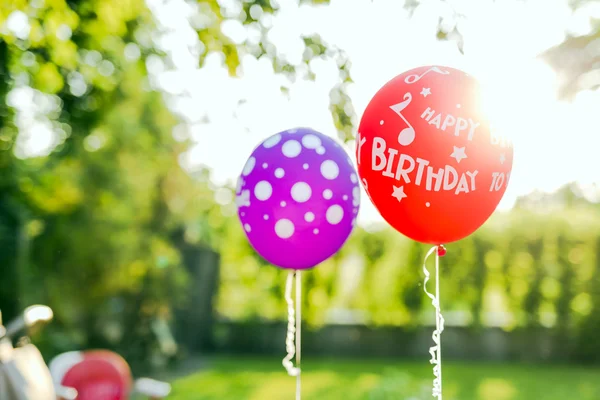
(441, 250)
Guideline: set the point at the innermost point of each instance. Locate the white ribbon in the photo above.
(435, 351)
(292, 339)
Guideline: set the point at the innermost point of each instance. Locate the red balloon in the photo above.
(98, 375)
(427, 157)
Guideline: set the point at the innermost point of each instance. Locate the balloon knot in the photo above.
(441, 250)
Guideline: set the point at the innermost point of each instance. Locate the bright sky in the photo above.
(501, 42)
(382, 41)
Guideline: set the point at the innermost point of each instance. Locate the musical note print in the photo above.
(407, 135)
(415, 78)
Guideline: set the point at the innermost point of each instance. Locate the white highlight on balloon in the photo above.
(311, 141)
(284, 228)
(279, 173)
(301, 192)
(327, 194)
(334, 214)
(291, 148)
(263, 190)
(272, 141)
(249, 166)
(329, 169)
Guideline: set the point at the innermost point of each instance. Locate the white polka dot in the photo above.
(354, 178)
(240, 184)
(284, 228)
(243, 214)
(247, 227)
(249, 166)
(427, 204)
(291, 148)
(292, 130)
(301, 192)
(327, 194)
(266, 217)
(381, 122)
(334, 214)
(265, 165)
(329, 169)
(305, 166)
(272, 141)
(355, 196)
(311, 141)
(345, 197)
(279, 173)
(309, 217)
(263, 190)
(283, 204)
(316, 231)
(321, 150)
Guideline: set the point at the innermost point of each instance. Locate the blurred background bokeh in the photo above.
(124, 124)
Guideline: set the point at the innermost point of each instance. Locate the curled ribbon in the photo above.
(290, 344)
(435, 351)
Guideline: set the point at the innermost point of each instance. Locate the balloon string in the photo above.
(435, 351)
(290, 344)
(298, 331)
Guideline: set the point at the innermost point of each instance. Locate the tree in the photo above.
(576, 59)
(100, 203)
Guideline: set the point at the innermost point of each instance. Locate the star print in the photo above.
(399, 193)
(458, 153)
(426, 92)
(502, 158)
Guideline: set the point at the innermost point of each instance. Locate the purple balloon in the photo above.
(298, 198)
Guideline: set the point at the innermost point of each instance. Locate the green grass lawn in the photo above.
(265, 379)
